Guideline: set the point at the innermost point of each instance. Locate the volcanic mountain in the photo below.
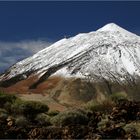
(110, 54)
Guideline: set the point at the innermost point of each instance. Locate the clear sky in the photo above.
(23, 25)
(53, 20)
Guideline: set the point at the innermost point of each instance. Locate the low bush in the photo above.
(6, 98)
(43, 119)
(21, 121)
(91, 105)
(3, 115)
(132, 129)
(53, 113)
(71, 117)
(29, 108)
(116, 97)
(94, 106)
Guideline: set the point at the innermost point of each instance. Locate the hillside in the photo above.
(75, 70)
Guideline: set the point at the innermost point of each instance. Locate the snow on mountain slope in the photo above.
(111, 51)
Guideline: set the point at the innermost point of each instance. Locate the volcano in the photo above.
(110, 55)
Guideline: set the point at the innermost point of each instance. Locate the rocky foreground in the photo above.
(111, 120)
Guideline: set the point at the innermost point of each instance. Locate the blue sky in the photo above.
(26, 27)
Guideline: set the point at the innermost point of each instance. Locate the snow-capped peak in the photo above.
(114, 28)
(111, 27)
(110, 49)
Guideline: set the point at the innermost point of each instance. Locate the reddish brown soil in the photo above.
(22, 87)
(39, 94)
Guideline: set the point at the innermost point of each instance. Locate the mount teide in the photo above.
(110, 55)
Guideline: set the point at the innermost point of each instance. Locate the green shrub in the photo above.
(92, 105)
(3, 115)
(71, 117)
(2, 110)
(105, 106)
(21, 121)
(29, 108)
(118, 96)
(133, 128)
(43, 119)
(4, 98)
(8, 106)
(95, 106)
(53, 113)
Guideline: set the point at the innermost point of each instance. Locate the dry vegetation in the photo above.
(114, 118)
(70, 109)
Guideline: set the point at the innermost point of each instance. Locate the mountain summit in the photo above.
(110, 53)
(111, 27)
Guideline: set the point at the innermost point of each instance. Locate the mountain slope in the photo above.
(111, 53)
